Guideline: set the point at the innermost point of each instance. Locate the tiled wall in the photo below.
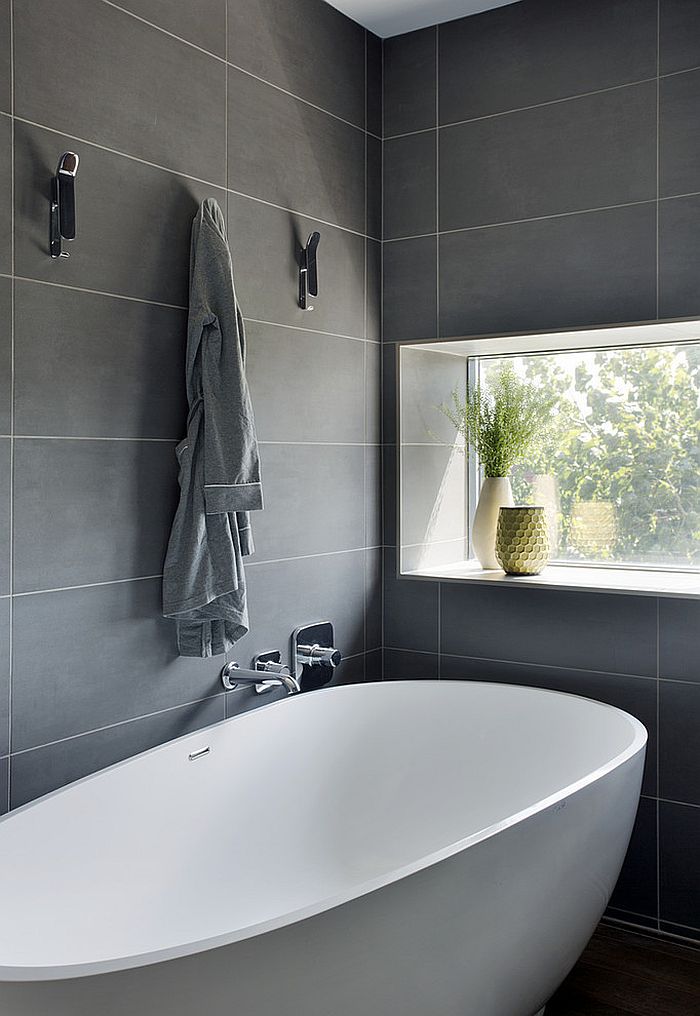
(542, 170)
(274, 109)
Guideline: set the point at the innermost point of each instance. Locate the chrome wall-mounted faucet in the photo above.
(314, 656)
(268, 672)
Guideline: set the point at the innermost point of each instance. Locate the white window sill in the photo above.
(638, 582)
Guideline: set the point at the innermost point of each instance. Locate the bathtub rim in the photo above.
(193, 947)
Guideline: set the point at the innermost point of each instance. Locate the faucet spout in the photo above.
(264, 678)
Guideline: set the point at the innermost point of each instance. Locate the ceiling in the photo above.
(393, 17)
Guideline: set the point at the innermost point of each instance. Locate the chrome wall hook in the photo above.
(62, 224)
(308, 272)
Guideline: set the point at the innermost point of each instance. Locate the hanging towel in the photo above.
(203, 582)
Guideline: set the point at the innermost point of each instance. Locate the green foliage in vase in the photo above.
(502, 420)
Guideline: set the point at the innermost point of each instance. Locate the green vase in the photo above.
(522, 540)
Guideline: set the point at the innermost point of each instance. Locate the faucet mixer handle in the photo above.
(316, 656)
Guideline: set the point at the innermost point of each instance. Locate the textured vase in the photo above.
(496, 492)
(522, 540)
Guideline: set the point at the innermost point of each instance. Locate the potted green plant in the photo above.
(500, 422)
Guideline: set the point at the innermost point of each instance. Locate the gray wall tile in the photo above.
(679, 251)
(373, 324)
(587, 631)
(38, 772)
(635, 695)
(373, 392)
(203, 23)
(374, 663)
(374, 186)
(4, 680)
(575, 270)
(96, 366)
(312, 494)
(679, 134)
(112, 657)
(375, 58)
(324, 176)
(679, 35)
(410, 82)
(410, 205)
(134, 221)
(91, 511)
(522, 165)
(679, 632)
(373, 496)
(680, 875)
(118, 94)
(389, 357)
(636, 889)
(389, 491)
(374, 571)
(5, 64)
(4, 784)
(679, 760)
(411, 610)
(410, 289)
(5, 355)
(286, 594)
(402, 665)
(285, 365)
(307, 47)
(5, 194)
(5, 512)
(266, 244)
(528, 53)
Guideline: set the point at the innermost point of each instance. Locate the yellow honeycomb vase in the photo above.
(522, 540)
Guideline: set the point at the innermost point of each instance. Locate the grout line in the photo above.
(226, 83)
(437, 180)
(680, 804)
(100, 292)
(81, 437)
(121, 723)
(307, 557)
(88, 585)
(658, 145)
(11, 518)
(186, 176)
(313, 331)
(535, 105)
(516, 222)
(658, 759)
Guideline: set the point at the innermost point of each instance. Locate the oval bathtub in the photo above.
(416, 848)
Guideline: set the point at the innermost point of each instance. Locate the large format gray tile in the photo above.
(404, 665)
(373, 310)
(313, 500)
(544, 51)
(91, 511)
(410, 199)
(586, 153)
(4, 785)
(373, 392)
(143, 93)
(679, 251)
(112, 657)
(294, 155)
(636, 891)
(5, 500)
(133, 221)
(286, 594)
(373, 496)
(679, 42)
(4, 679)
(374, 592)
(5, 355)
(410, 289)
(679, 134)
(587, 269)
(679, 746)
(5, 194)
(635, 695)
(410, 82)
(38, 772)
(586, 631)
(679, 640)
(679, 829)
(389, 492)
(266, 244)
(410, 610)
(97, 366)
(389, 358)
(203, 23)
(5, 64)
(375, 164)
(307, 47)
(375, 84)
(305, 386)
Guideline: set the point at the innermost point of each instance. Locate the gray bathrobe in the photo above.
(203, 582)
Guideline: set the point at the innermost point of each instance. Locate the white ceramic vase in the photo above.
(496, 493)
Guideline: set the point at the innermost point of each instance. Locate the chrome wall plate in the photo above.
(314, 656)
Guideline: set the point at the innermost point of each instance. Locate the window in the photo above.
(618, 469)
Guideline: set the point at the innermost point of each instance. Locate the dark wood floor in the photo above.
(624, 974)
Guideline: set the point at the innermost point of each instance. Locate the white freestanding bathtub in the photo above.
(398, 849)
